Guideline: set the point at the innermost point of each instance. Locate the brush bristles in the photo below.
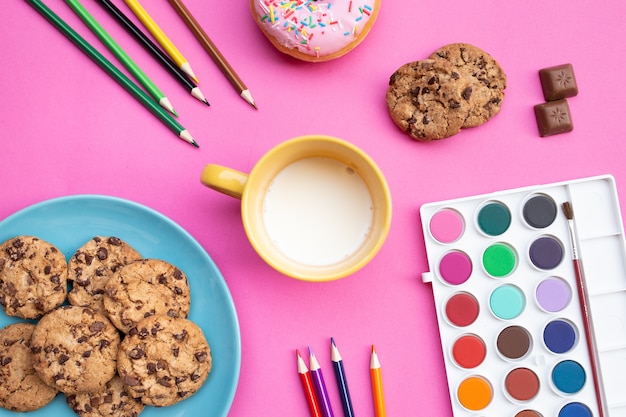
(567, 209)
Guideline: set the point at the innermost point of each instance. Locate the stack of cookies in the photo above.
(458, 86)
(124, 340)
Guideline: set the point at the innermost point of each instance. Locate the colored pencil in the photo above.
(377, 385)
(212, 50)
(342, 382)
(320, 386)
(161, 37)
(154, 50)
(307, 386)
(121, 55)
(110, 69)
(583, 297)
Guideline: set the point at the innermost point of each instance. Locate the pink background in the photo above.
(67, 128)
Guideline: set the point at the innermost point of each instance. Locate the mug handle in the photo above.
(225, 180)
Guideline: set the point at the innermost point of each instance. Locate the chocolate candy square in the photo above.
(558, 82)
(553, 117)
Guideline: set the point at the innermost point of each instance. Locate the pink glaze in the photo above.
(315, 28)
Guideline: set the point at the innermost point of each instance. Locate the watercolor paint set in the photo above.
(521, 336)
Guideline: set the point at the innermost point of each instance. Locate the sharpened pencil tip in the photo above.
(246, 95)
(206, 102)
(332, 341)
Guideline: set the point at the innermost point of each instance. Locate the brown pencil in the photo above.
(212, 50)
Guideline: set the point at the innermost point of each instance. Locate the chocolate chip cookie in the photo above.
(486, 78)
(112, 401)
(145, 288)
(164, 360)
(21, 389)
(91, 266)
(74, 349)
(33, 277)
(428, 99)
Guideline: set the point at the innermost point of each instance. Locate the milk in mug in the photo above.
(317, 211)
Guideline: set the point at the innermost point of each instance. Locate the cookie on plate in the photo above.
(74, 349)
(486, 78)
(144, 288)
(33, 277)
(21, 389)
(111, 401)
(91, 266)
(428, 99)
(164, 360)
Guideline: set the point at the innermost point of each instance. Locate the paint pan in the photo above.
(509, 312)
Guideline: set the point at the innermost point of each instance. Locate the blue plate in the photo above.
(69, 222)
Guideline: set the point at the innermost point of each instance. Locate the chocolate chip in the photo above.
(102, 253)
(181, 336)
(166, 381)
(131, 381)
(88, 259)
(97, 326)
(433, 80)
(63, 358)
(47, 269)
(162, 279)
(151, 368)
(467, 93)
(425, 119)
(136, 353)
(87, 354)
(453, 104)
(178, 274)
(115, 241)
(5, 361)
(201, 356)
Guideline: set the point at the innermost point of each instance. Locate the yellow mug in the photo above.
(315, 208)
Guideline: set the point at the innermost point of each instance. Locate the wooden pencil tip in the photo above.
(246, 95)
(206, 102)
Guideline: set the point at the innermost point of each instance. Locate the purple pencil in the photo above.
(320, 386)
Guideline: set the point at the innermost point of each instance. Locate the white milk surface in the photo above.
(317, 211)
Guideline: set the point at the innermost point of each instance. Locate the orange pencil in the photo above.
(377, 385)
(307, 386)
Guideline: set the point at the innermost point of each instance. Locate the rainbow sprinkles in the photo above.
(313, 27)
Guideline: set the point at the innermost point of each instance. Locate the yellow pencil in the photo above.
(377, 385)
(160, 37)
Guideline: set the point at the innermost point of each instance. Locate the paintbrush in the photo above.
(583, 297)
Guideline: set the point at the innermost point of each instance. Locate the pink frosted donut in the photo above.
(315, 31)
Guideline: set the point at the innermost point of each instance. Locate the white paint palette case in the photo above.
(510, 314)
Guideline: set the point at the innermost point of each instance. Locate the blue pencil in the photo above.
(342, 382)
(320, 386)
